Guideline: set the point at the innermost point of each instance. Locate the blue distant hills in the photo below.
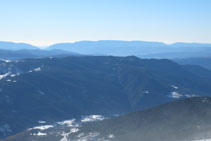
(125, 48)
(15, 46)
(141, 49)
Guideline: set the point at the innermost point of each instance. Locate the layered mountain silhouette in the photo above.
(15, 46)
(33, 53)
(203, 61)
(142, 49)
(138, 48)
(53, 89)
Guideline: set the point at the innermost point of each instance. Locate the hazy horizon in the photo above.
(42, 23)
(105, 70)
(46, 46)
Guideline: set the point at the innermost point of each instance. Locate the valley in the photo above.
(55, 89)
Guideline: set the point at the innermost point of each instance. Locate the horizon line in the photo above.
(66, 42)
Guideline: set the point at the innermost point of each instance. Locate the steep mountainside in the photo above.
(183, 120)
(53, 89)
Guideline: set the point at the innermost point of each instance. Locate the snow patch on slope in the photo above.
(41, 134)
(36, 69)
(173, 86)
(92, 118)
(175, 95)
(44, 127)
(12, 75)
(6, 61)
(69, 128)
(66, 135)
(41, 122)
(92, 136)
(69, 123)
(4, 75)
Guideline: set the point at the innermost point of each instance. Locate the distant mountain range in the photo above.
(15, 46)
(33, 53)
(124, 48)
(71, 80)
(182, 120)
(53, 89)
(183, 53)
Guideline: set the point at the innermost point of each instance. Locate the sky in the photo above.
(45, 22)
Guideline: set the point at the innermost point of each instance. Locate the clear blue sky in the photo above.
(43, 22)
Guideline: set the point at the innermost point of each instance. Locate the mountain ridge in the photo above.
(181, 120)
(6, 45)
(123, 48)
(55, 89)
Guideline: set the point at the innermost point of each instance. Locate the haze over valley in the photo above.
(105, 70)
(57, 85)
